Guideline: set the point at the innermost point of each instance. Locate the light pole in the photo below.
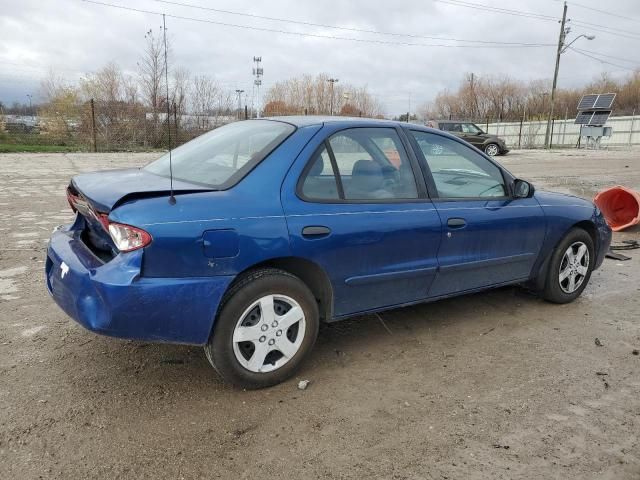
(588, 37)
(562, 47)
(239, 93)
(332, 81)
(29, 97)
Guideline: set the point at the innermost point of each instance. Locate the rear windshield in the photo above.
(222, 157)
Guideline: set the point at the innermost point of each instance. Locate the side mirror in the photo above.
(522, 189)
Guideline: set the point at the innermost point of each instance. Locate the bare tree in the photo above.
(209, 101)
(119, 118)
(151, 69)
(179, 95)
(60, 112)
(315, 96)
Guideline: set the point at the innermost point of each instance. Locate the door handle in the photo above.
(315, 231)
(456, 223)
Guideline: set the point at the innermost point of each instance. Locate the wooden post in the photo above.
(520, 132)
(553, 124)
(579, 138)
(246, 112)
(93, 126)
(633, 118)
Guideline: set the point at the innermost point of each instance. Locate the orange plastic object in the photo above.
(620, 207)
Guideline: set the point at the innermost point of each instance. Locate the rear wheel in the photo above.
(267, 325)
(570, 267)
(492, 149)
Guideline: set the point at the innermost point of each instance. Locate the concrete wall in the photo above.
(626, 131)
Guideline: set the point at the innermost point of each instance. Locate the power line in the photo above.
(604, 12)
(489, 8)
(598, 27)
(349, 29)
(302, 34)
(610, 30)
(606, 55)
(580, 52)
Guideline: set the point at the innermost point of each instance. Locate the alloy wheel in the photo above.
(574, 267)
(492, 150)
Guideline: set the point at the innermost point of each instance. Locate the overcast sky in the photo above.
(73, 37)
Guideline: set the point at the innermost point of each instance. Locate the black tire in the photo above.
(553, 290)
(492, 147)
(242, 294)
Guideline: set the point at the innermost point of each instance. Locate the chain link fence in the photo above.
(117, 126)
(100, 127)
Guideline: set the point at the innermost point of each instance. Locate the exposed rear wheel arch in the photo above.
(309, 272)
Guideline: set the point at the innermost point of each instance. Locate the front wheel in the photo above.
(570, 267)
(492, 149)
(267, 325)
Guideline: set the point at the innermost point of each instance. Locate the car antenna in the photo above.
(172, 198)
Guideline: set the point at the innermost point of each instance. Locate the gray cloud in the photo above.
(73, 37)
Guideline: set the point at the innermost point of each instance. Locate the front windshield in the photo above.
(222, 157)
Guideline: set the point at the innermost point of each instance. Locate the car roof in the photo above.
(307, 120)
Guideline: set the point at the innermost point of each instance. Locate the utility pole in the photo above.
(239, 93)
(474, 106)
(563, 34)
(332, 81)
(257, 72)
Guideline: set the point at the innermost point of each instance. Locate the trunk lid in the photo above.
(95, 195)
(104, 190)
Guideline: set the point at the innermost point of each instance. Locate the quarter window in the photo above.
(370, 165)
(320, 182)
(457, 170)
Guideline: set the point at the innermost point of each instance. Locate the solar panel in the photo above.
(600, 117)
(604, 100)
(583, 118)
(587, 101)
(596, 101)
(593, 117)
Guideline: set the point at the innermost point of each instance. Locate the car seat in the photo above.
(367, 181)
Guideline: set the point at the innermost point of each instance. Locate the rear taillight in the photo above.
(128, 238)
(71, 198)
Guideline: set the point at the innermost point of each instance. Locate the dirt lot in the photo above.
(490, 386)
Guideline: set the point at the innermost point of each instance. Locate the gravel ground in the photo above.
(497, 385)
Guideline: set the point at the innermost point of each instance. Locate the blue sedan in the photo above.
(246, 238)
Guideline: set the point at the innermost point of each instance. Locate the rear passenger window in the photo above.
(370, 165)
(320, 181)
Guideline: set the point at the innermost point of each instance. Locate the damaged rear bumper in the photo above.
(114, 299)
